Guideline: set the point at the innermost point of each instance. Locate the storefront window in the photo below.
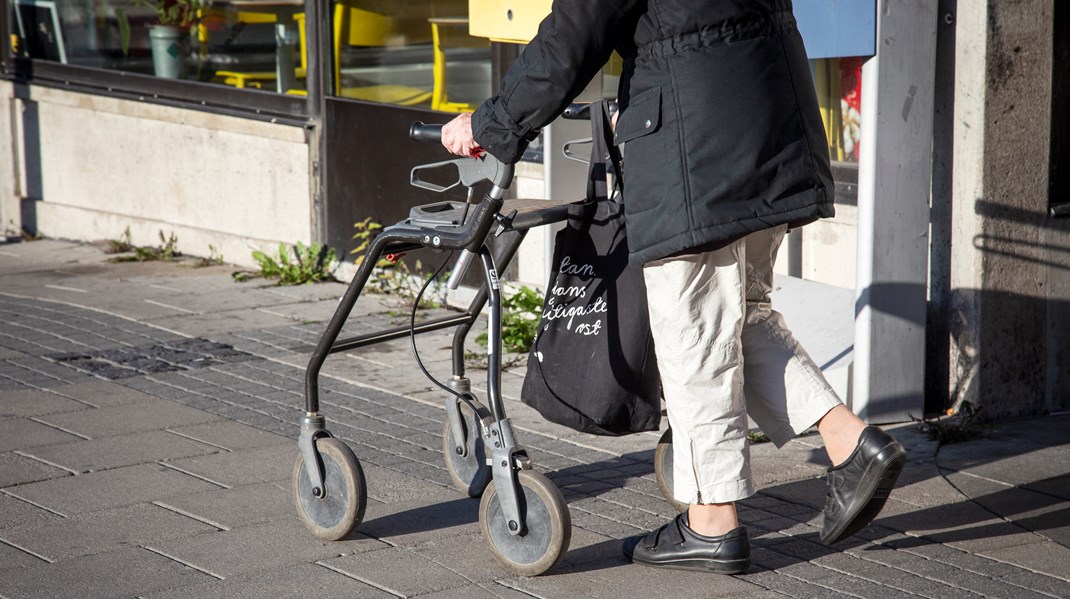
(411, 53)
(185, 39)
(839, 94)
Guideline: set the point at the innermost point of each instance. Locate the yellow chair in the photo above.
(356, 26)
(352, 26)
(454, 31)
(240, 79)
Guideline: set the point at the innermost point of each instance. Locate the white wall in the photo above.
(95, 166)
(9, 202)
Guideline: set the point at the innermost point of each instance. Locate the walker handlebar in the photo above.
(423, 132)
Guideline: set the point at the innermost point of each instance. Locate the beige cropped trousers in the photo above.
(724, 353)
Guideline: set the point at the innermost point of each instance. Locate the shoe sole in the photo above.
(889, 464)
(736, 566)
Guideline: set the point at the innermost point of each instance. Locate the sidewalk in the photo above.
(148, 425)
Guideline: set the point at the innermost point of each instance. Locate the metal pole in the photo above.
(893, 213)
(317, 34)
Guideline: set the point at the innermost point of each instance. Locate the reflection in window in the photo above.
(410, 53)
(839, 95)
(413, 53)
(117, 34)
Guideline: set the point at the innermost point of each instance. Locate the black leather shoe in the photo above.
(678, 547)
(858, 488)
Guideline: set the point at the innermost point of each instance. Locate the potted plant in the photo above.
(169, 35)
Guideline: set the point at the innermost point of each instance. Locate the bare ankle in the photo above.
(840, 430)
(713, 519)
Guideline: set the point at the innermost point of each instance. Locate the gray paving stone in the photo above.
(1049, 585)
(99, 532)
(17, 469)
(1012, 574)
(294, 582)
(1045, 557)
(109, 489)
(245, 505)
(1010, 470)
(606, 526)
(145, 415)
(390, 486)
(8, 354)
(1057, 486)
(36, 402)
(271, 546)
(14, 513)
(207, 325)
(588, 547)
(845, 582)
(124, 450)
(892, 577)
(411, 523)
(14, 562)
(929, 541)
(613, 579)
(232, 435)
(402, 571)
(791, 586)
(492, 590)
(227, 299)
(942, 569)
(23, 433)
(105, 394)
(126, 572)
(243, 467)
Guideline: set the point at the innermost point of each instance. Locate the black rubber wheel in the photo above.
(663, 470)
(341, 511)
(470, 474)
(548, 526)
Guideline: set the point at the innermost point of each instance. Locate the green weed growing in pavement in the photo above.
(521, 312)
(214, 258)
(309, 264)
(966, 425)
(398, 280)
(367, 229)
(167, 251)
(121, 245)
(758, 437)
(394, 277)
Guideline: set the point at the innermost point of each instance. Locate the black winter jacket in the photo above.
(719, 116)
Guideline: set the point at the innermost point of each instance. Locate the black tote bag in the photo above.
(592, 366)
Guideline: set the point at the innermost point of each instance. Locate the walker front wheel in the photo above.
(337, 511)
(466, 461)
(663, 470)
(547, 526)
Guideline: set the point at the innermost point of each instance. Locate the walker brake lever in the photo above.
(504, 222)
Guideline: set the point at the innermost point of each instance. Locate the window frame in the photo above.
(203, 96)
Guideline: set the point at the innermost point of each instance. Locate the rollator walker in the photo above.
(523, 516)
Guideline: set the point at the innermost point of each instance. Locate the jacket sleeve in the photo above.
(570, 48)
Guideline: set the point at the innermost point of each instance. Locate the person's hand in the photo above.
(457, 135)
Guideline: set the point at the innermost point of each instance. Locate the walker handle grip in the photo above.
(425, 133)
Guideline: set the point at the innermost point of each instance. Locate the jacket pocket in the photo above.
(643, 116)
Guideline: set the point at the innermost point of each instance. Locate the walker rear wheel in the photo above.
(547, 526)
(340, 511)
(663, 470)
(469, 473)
